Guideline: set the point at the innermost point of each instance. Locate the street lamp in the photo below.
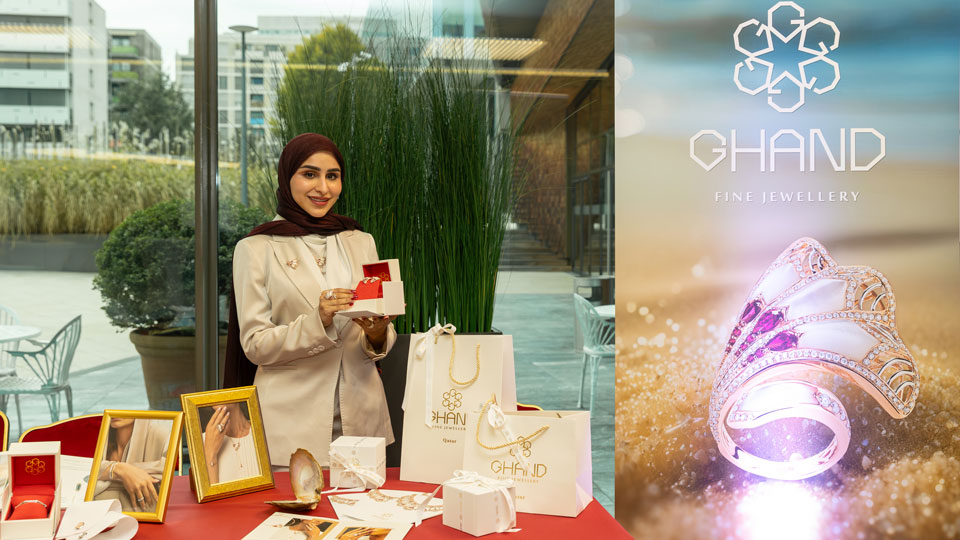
(243, 29)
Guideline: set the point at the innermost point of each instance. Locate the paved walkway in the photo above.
(534, 307)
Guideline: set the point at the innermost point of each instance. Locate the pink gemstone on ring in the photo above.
(783, 341)
(750, 312)
(768, 321)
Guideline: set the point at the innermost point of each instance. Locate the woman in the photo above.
(228, 444)
(315, 372)
(133, 462)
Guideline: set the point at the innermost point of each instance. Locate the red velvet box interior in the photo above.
(32, 478)
(368, 290)
(380, 270)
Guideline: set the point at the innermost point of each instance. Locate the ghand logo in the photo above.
(786, 56)
(452, 400)
(812, 42)
(519, 468)
(35, 466)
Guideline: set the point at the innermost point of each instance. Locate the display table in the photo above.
(235, 517)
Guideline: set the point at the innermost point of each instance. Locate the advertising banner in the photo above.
(788, 269)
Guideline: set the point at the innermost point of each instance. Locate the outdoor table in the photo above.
(607, 312)
(13, 332)
(234, 517)
(16, 332)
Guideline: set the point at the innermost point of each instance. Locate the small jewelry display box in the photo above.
(379, 293)
(358, 462)
(31, 498)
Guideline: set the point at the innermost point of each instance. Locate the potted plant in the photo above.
(146, 278)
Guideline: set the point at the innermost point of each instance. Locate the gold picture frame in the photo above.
(147, 446)
(232, 418)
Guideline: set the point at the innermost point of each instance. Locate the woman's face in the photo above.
(316, 185)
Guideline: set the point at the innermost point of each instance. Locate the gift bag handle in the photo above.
(453, 356)
(492, 402)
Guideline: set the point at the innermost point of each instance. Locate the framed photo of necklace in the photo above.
(228, 449)
(137, 452)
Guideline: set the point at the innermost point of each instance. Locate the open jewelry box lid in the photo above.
(379, 297)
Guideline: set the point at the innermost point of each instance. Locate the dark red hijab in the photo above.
(238, 370)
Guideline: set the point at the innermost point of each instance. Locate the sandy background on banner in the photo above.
(685, 265)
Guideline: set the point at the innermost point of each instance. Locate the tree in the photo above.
(312, 69)
(152, 104)
(334, 45)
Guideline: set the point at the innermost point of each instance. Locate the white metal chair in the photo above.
(8, 316)
(598, 343)
(51, 365)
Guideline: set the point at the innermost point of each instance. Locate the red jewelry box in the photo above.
(379, 293)
(34, 470)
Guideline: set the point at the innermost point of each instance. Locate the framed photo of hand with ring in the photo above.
(136, 454)
(225, 437)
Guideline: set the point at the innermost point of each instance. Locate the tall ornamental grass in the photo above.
(75, 196)
(424, 175)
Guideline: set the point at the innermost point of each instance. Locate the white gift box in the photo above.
(358, 462)
(380, 291)
(479, 508)
(28, 465)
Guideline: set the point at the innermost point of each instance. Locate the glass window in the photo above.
(46, 60)
(224, 116)
(48, 98)
(77, 106)
(238, 82)
(258, 81)
(14, 96)
(14, 60)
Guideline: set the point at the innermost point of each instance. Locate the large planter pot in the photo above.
(170, 367)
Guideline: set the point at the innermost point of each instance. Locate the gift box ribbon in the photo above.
(470, 478)
(365, 475)
(425, 352)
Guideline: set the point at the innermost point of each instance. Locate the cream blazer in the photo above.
(299, 358)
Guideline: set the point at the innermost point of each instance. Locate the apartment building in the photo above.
(53, 70)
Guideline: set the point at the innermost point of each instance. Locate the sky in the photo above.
(170, 22)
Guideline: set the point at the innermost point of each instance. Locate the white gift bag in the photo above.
(546, 454)
(448, 376)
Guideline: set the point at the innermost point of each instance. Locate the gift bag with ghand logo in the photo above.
(449, 375)
(545, 453)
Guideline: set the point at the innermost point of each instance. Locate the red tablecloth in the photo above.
(235, 517)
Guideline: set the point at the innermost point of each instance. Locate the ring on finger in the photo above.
(330, 295)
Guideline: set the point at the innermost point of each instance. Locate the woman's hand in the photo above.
(311, 530)
(356, 534)
(213, 434)
(138, 484)
(375, 328)
(334, 300)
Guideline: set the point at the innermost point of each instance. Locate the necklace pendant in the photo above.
(321, 262)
